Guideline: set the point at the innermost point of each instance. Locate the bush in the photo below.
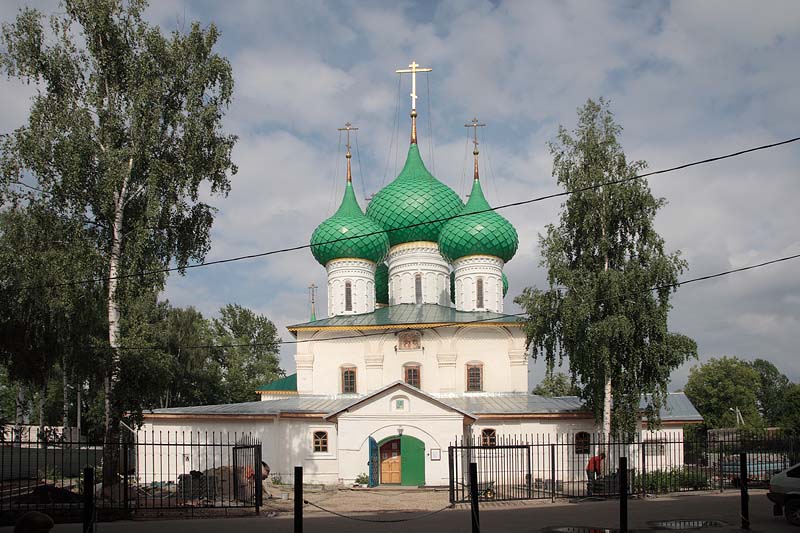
(675, 480)
(362, 479)
(277, 479)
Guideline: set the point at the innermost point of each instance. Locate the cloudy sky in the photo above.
(687, 80)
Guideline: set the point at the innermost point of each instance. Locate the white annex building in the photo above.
(416, 351)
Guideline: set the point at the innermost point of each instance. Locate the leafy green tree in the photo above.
(124, 131)
(249, 352)
(610, 318)
(790, 417)
(771, 393)
(719, 386)
(556, 384)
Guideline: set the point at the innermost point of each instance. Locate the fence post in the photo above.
(623, 494)
(721, 456)
(552, 473)
(473, 497)
(125, 479)
(88, 500)
(743, 487)
(529, 478)
(643, 475)
(258, 473)
(451, 466)
(298, 499)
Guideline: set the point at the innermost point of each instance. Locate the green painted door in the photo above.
(412, 458)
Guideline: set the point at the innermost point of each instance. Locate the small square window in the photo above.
(399, 405)
(488, 437)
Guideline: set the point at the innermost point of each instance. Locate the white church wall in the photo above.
(443, 357)
(285, 443)
(380, 418)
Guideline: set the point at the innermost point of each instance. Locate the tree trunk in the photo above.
(114, 313)
(78, 411)
(607, 385)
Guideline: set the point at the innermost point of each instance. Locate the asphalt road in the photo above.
(496, 517)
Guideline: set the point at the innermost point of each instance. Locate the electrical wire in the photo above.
(457, 324)
(445, 219)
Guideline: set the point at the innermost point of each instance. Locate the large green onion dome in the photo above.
(329, 242)
(481, 233)
(382, 284)
(412, 199)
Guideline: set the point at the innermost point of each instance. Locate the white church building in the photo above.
(416, 351)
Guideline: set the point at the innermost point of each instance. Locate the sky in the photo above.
(686, 81)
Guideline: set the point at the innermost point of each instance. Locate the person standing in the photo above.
(594, 468)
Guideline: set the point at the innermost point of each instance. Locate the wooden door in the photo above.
(390, 462)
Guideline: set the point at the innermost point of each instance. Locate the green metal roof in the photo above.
(338, 236)
(397, 316)
(415, 198)
(481, 233)
(287, 384)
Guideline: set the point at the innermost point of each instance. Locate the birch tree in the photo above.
(603, 260)
(124, 131)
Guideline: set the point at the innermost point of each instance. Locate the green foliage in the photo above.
(790, 417)
(249, 354)
(557, 384)
(663, 481)
(771, 394)
(609, 321)
(122, 135)
(720, 385)
(362, 479)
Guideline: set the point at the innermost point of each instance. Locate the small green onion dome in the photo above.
(482, 233)
(382, 284)
(412, 199)
(329, 242)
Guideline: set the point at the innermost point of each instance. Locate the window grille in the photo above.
(489, 437)
(583, 443)
(412, 376)
(348, 296)
(474, 378)
(348, 380)
(418, 288)
(320, 441)
(479, 295)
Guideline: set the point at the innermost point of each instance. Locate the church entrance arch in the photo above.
(402, 460)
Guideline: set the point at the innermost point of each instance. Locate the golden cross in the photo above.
(474, 125)
(348, 128)
(412, 69)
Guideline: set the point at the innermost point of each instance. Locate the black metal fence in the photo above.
(151, 471)
(520, 467)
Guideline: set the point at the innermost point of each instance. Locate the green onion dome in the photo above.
(382, 284)
(505, 285)
(482, 233)
(412, 199)
(329, 241)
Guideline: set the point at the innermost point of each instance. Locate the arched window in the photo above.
(348, 296)
(418, 288)
(479, 293)
(488, 437)
(412, 375)
(583, 443)
(320, 441)
(474, 377)
(348, 380)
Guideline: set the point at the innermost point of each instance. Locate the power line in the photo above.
(456, 324)
(436, 221)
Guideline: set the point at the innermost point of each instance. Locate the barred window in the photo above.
(488, 437)
(479, 295)
(474, 377)
(418, 288)
(320, 441)
(348, 380)
(412, 375)
(583, 443)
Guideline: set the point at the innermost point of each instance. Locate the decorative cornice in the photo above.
(481, 324)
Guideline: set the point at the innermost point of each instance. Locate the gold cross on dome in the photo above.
(474, 125)
(348, 128)
(412, 69)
